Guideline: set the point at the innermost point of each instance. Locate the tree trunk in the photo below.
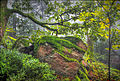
(3, 17)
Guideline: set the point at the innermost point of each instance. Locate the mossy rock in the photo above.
(63, 55)
(77, 41)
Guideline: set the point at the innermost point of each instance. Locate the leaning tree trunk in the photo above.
(3, 17)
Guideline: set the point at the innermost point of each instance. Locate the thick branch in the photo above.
(32, 18)
(45, 25)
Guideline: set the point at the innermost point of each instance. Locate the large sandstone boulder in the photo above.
(62, 54)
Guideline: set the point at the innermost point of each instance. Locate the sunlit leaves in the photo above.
(102, 25)
(10, 30)
(92, 19)
(106, 36)
(115, 47)
(95, 13)
(12, 38)
(91, 13)
(107, 20)
(82, 16)
(87, 14)
(107, 25)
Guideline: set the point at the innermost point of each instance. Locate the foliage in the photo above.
(63, 78)
(15, 66)
(97, 18)
(100, 72)
(7, 40)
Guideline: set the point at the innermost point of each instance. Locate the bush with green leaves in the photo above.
(15, 66)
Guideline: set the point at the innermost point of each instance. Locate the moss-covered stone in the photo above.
(63, 55)
(56, 43)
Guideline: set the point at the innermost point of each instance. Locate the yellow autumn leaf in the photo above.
(107, 48)
(102, 25)
(101, 34)
(106, 36)
(12, 38)
(94, 13)
(10, 30)
(7, 30)
(107, 20)
(92, 19)
(107, 25)
(118, 31)
(82, 14)
(115, 46)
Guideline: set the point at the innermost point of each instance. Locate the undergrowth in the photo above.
(15, 66)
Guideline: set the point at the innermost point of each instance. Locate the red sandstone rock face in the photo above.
(57, 62)
(62, 67)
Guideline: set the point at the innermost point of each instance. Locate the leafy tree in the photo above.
(6, 12)
(97, 20)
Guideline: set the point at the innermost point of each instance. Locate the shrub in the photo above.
(15, 66)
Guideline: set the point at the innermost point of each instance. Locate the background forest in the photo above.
(59, 40)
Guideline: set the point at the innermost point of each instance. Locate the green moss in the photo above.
(56, 43)
(59, 45)
(73, 39)
(77, 78)
(84, 75)
(67, 58)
